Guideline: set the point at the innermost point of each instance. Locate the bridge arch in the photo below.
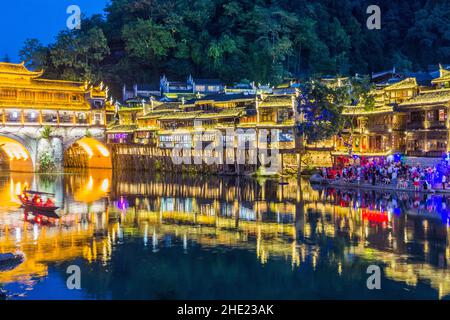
(87, 152)
(16, 153)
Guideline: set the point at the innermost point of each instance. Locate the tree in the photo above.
(77, 54)
(264, 41)
(361, 97)
(6, 58)
(147, 40)
(320, 108)
(34, 54)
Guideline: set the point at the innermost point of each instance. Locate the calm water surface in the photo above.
(138, 236)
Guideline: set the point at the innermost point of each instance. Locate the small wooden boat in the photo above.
(9, 261)
(3, 295)
(38, 207)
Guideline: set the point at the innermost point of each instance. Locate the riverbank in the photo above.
(154, 159)
(379, 186)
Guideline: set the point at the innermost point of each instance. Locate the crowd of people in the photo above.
(398, 174)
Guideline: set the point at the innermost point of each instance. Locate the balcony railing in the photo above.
(430, 154)
(426, 125)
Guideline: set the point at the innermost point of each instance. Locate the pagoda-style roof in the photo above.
(166, 106)
(18, 70)
(276, 101)
(156, 114)
(181, 115)
(10, 72)
(361, 111)
(285, 124)
(408, 83)
(130, 109)
(53, 85)
(223, 97)
(444, 76)
(431, 97)
(225, 113)
(18, 79)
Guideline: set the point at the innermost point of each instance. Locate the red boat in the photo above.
(32, 202)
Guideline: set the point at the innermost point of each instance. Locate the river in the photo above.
(140, 236)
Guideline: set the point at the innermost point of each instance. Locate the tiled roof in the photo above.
(444, 76)
(130, 108)
(276, 100)
(157, 114)
(408, 83)
(181, 115)
(166, 105)
(222, 97)
(429, 97)
(225, 113)
(422, 78)
(19, 69)
(361, 111)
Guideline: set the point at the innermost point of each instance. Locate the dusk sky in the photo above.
(41, 19)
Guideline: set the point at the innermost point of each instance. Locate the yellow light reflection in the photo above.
(104, 152)
(86, 148)
(15, 151)
(105, 185)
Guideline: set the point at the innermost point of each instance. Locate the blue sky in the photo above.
(41, 19)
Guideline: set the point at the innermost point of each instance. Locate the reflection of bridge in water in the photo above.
(274, 221)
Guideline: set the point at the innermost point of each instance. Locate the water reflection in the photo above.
(269, 240)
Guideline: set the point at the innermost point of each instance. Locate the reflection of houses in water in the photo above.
(420, 231)
(274, 221)
(70, 238)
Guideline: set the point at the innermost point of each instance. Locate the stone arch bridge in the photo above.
(28, 148)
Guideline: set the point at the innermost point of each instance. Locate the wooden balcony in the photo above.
(428, 154)
(426, 125)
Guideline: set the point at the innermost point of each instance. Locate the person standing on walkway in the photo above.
(416, 183)
(444, 181)
(394, 177)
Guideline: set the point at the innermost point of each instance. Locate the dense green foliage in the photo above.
(261, 40)
(320, 107)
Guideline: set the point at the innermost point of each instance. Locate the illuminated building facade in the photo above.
(158, 127)
(408, 117)
(28, 99)
(38, 115)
